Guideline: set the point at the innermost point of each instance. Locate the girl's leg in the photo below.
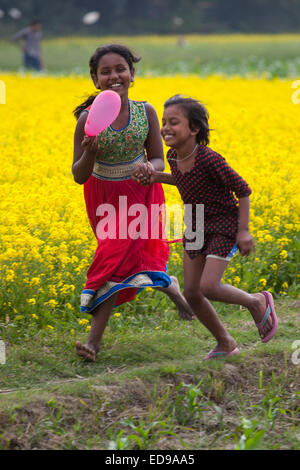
(212, 288)
(173, 291)
(193, 272)
(99, 321)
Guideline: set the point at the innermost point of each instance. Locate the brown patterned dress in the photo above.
(213, 183)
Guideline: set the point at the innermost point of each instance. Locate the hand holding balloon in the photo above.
(103, 112)
(90, 144)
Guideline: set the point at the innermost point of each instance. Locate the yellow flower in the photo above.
(10, 275)
(283, 241)
(274, 266)
(31, 301)
(117, 314)
(83, 321)
(269, 238)
(263, 282)
(176, 258)
(50, 327)
(285, 285)
(88, 328)
(236, 280)
(52, 291)
(283, 254)
(51, 303)
(67, 289)
(34, 316)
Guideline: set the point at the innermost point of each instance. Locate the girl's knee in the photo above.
(208, 288)
(193, 296)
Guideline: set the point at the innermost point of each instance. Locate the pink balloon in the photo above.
(104, 110)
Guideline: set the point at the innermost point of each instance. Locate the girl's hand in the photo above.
(90, 144)
(245, 242)
(144, 174)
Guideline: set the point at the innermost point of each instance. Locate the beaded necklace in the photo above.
(185, 158)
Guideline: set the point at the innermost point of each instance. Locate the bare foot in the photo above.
(88, 353)
(173, 291)
(227, 344)
(258, 312)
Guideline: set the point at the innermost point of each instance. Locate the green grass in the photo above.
(271, 56)
(151, 389)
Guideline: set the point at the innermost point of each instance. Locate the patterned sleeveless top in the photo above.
(128, 143)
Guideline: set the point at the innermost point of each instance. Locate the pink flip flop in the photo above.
(269, 311)
(215, 354)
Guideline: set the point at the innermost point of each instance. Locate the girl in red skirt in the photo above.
(127, 257)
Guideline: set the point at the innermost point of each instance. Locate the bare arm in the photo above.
(244, 240)
(153, 144)
(244, 210)
(19, 35)
(85, 151)
(154, 150)
(165, 178)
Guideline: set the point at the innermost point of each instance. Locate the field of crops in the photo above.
(244, 55)
(46, 243)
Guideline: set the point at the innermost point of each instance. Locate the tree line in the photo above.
(135, 17)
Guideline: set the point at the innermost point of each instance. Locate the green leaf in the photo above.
(253, 442)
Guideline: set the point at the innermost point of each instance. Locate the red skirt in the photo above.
(132, 249)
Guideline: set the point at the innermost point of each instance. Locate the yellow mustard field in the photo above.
(46, 241)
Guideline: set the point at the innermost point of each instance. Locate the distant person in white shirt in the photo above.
(30, 38)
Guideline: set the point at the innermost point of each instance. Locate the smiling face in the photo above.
(113, 73)
(175, 129)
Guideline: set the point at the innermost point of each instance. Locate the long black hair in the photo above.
(196, 113)
(123, 51)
